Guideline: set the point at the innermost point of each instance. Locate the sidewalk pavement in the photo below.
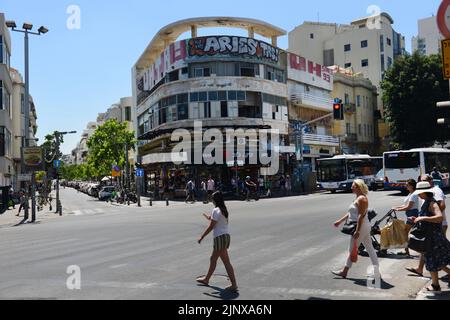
(443, 295)
(9, 218)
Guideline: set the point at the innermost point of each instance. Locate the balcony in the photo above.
(320, 140)
(349, 108)
(317, 102)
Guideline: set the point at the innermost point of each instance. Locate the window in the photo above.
(22, 103)
(174, 76)
(224, 109)
(182, 98)
(347, 99)
(222, 96)
(359, 129)
(389, 62)
(183, 111)
(241, 95)
(5, 98)
(311, 35)
(127, 113)
(202, 72)
(364, 44)
(347, 129)
(213, 96)
(358, 101)
(365, 130)
(194, 96)
(388, 41)
(232, 95)
(1, 49)
(381, 43)
(207, 110)
(5, 142)
(202, 96)
(348, 65)
(382, 63)
(365, 63)
(347, 47)
(247, 70)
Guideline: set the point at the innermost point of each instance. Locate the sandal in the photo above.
(412, 270)
(433, 288)
(339, 274)
(202, 281)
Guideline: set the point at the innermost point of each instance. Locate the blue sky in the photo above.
(75, 74)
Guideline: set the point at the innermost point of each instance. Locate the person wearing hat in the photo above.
(437, 257)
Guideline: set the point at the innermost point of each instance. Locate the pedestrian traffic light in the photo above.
(338, 110)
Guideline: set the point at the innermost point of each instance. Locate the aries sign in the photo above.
(232, 46)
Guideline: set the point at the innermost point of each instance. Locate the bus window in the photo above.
(402, 160)
(439, 160)
(331, 171)
(361, 168)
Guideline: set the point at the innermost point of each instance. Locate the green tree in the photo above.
(411, 89)
(107, 147)
(50, 147)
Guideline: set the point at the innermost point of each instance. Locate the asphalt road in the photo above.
(281, 249)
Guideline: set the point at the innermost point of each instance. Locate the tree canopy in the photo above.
(107, 146)
(411, 89)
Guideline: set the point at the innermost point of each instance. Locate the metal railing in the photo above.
(321, 139)
(313, 100)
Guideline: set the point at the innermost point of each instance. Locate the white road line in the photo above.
(119, 266)
(77, 212)
(293, 259)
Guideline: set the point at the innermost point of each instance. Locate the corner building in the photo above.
(224, 81)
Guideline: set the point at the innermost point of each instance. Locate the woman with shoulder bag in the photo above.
(358, 215)
(437, 254)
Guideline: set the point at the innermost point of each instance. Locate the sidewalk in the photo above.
(9, 218)
(443, 295)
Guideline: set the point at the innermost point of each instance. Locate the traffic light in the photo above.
(338, 110)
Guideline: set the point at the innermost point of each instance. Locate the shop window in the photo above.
(202, 96)
(194, 97)
(207, 110)
(213, 96)
(232, 95)
(224, 109)
(183, 111)
(222, 96)
(182, 98)
(241, 95)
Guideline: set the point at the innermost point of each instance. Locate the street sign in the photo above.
(443, 18)
(139, 173)
(446, 58)
(24, 177)
(57, 163)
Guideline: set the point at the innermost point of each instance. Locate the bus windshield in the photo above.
(332, 170)
(361, 168)
(401, 160)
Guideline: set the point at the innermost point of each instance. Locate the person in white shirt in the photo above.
(211, 187)
(219, 225)
(410, 206)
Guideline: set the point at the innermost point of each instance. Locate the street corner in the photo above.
(426, 294)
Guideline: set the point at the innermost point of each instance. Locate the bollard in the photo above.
(167, 202)
(151, 202)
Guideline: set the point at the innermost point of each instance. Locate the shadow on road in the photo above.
(364, 283)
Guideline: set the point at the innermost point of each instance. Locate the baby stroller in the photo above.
(376, 230)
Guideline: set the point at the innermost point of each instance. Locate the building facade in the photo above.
(368, 46)
(358, 131)
(6, 113)
(428, 40)
(222, 81)
(310, 87)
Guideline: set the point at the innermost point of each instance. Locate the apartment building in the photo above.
(428, 40)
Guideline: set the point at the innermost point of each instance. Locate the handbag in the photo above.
(349, 228)
(418, 238)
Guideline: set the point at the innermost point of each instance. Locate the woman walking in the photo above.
(358, 213)
(410, 206)
(437, 256)
(219, 225)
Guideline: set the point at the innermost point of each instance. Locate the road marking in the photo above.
(293, 259)
(119, 266)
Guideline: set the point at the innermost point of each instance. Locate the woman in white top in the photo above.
(358, 212)
(222, 239)
(410, 206)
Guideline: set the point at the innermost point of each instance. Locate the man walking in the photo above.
(190, 187)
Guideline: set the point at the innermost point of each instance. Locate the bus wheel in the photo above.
(333, 191)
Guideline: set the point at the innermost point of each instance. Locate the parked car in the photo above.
(378, 182)
(105, 193)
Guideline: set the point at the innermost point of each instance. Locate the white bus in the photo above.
(400, 166)
(339, 172)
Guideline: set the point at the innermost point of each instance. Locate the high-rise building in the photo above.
(428, 40)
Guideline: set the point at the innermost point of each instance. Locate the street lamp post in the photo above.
(26, 29)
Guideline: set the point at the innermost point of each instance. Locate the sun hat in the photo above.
(423, 187)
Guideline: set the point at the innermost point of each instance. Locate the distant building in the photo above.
(428, 40)
(368, 46)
